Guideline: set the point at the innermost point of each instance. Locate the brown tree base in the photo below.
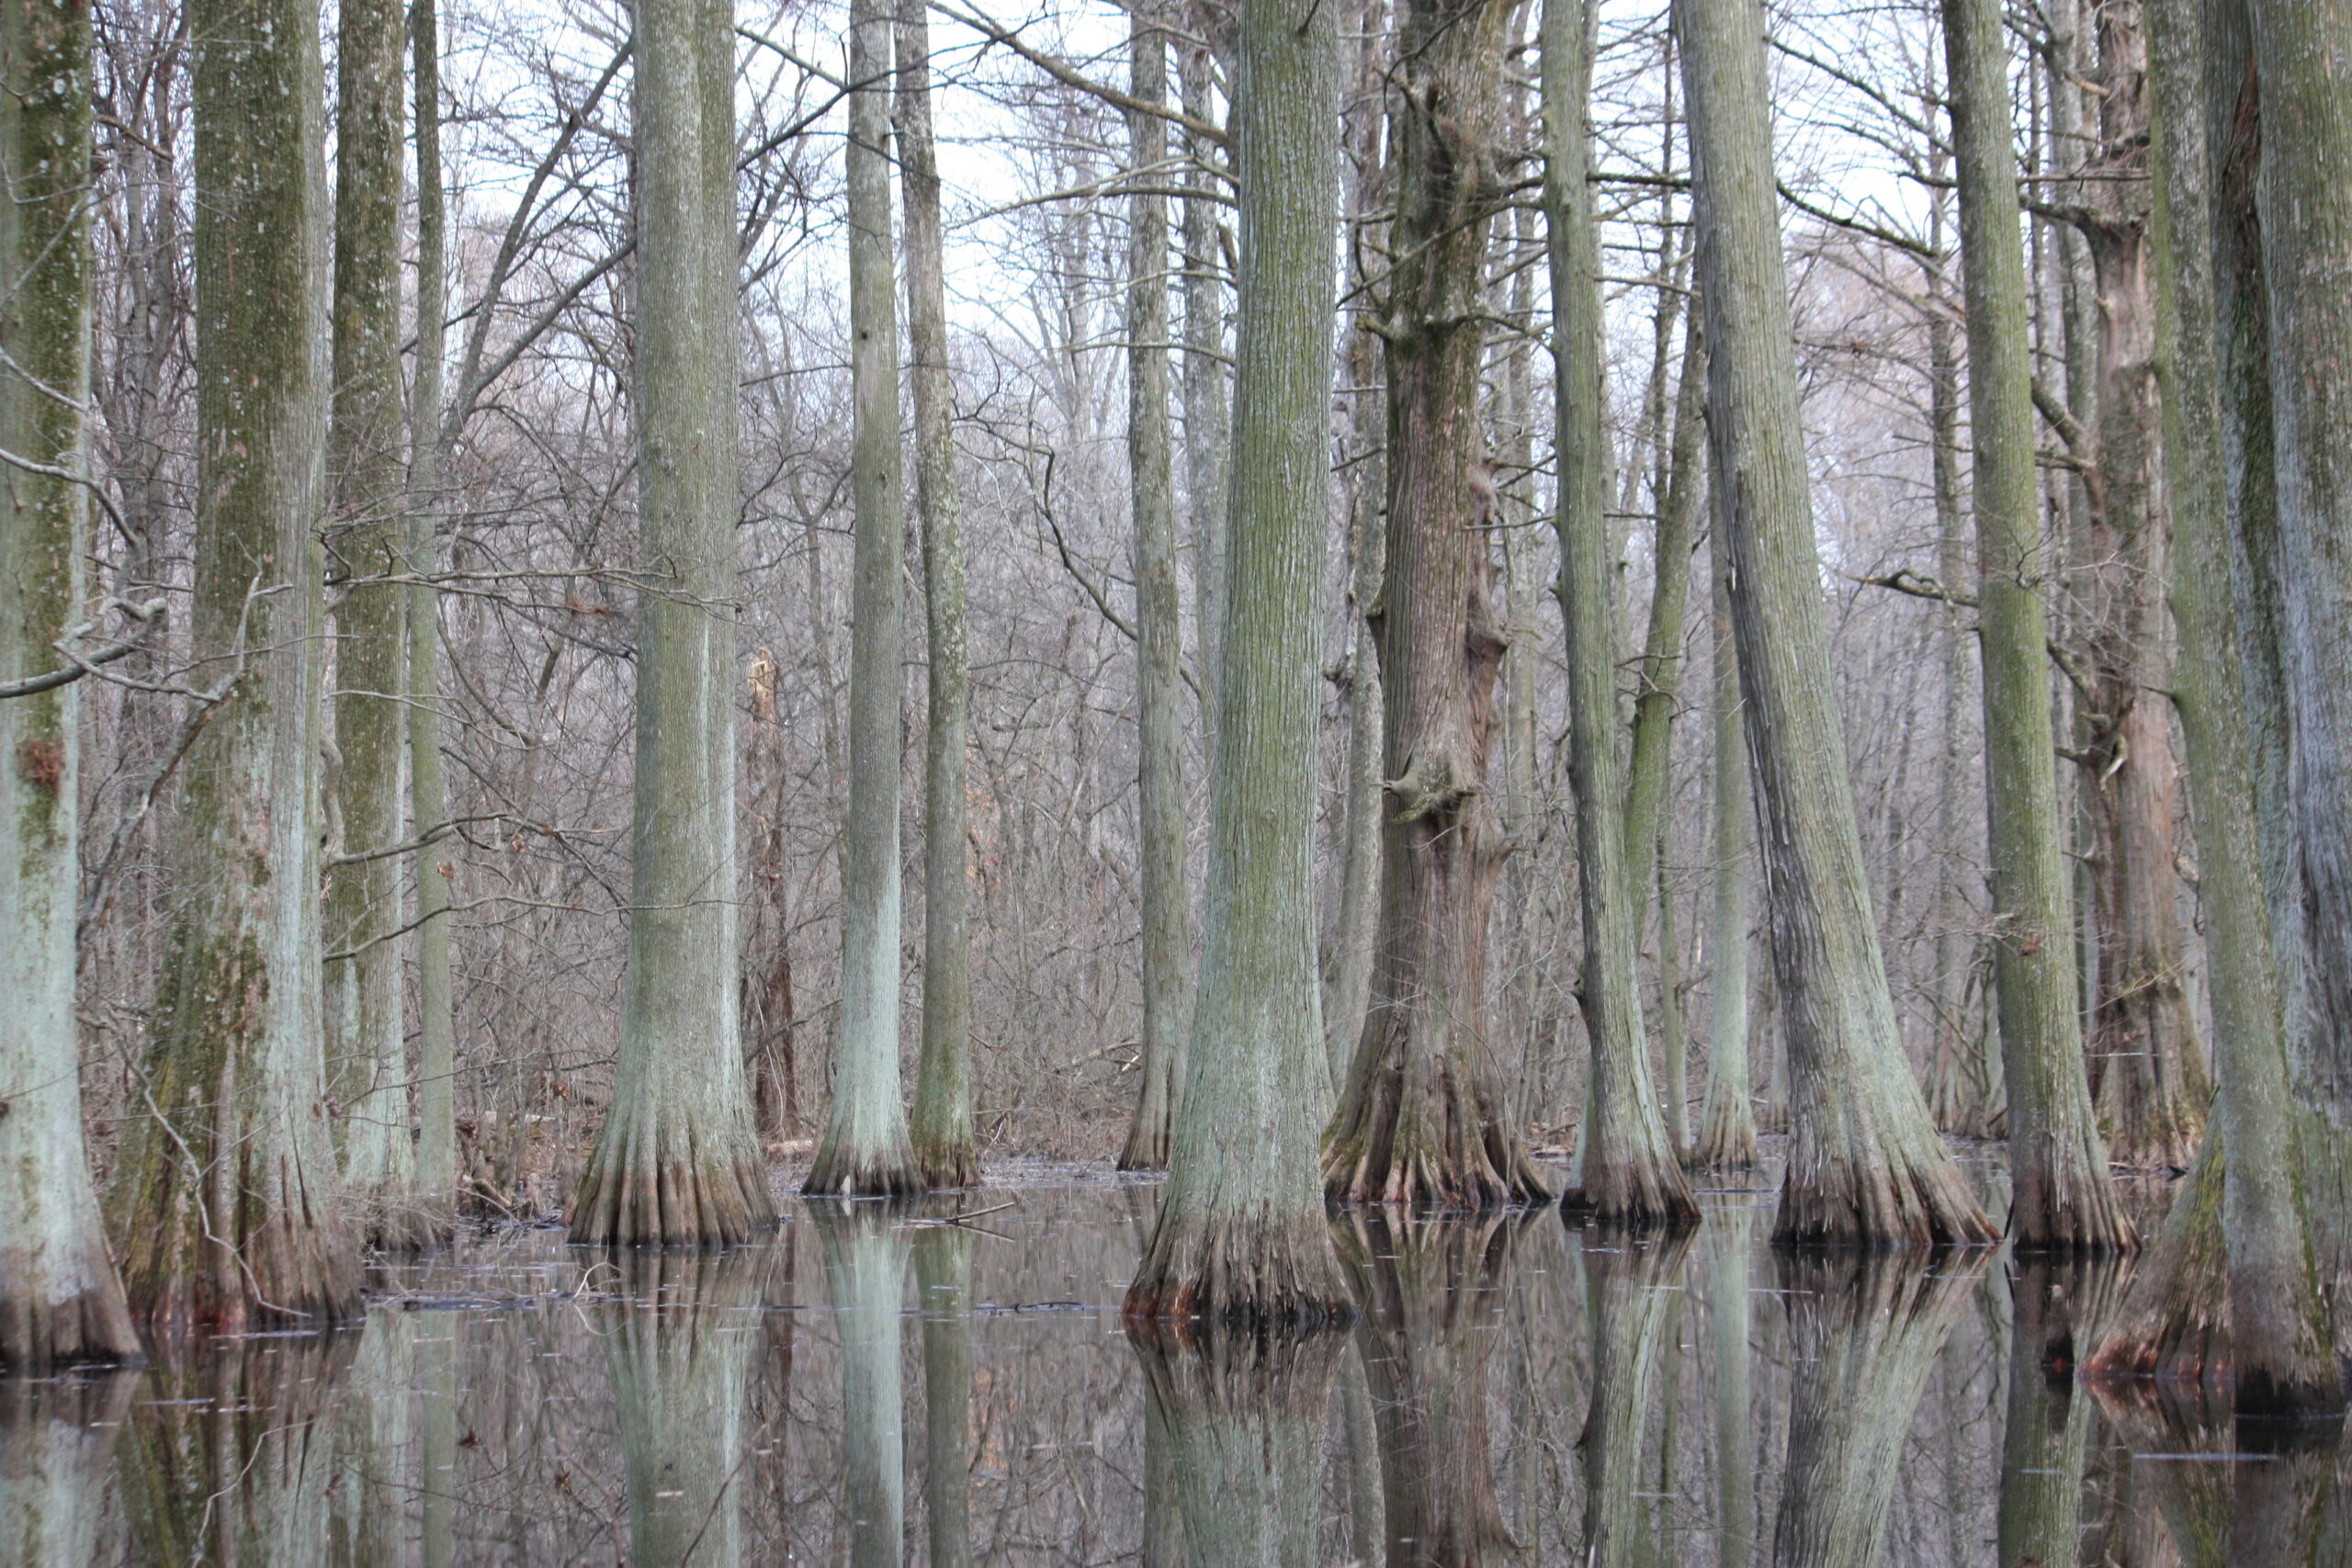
(842, 1173)
(293, 1269)
(1843, 1203)
(948, 1168)
(1146, 1148)
(409, 1224)
(1246, 1273)
(1725, 1143)
(91, 1327)
(1631, 1195)
(1487, 1171)
(671, 1203)
(2078, 1215)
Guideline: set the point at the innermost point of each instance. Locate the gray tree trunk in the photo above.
(1727, 1120)
(1626, 1172)
(1241, 1234)
(2060, 1198)
(223, 1192)
(2306, 230)
(366, 1517)
(436, 1024)
(1422, 1120)
(367, 1042)
(1865, 1165)
(866, 1150)
(60, 1300)
(2281, 1358)
(1208, 415)
(677, 1162)
(1159, 619)
(941, 1130)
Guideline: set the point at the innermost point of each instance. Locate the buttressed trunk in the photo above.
(60, 1300)
(1240, 1237)
(367, 542)
(1865, 1165)
(677, 1162)
(1423, 1122)
(224, 1195)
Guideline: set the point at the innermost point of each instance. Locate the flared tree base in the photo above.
(88, 1327)
(840, 1172)
(1847, 1203)
(2069, 1208)
(1631, 1195)
(291, 1271)
(409, 1224)
(1725, 1143)
(949, 1167)
(1429, 1159)
(1147, 1146)
(1246, 1274)
(630, 1196)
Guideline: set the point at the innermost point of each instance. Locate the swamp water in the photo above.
(872, 1387)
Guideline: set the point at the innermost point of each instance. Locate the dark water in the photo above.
(875, 1388)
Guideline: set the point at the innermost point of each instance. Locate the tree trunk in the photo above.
(2060, 1196)
(1208, 416)
(1661, 676)
(1430, 1296)
(224, 1191)
(944, 1277)
(437, 1086)
(1423, 1121)
(941, 1128)
(865, 1150)
(1727, 1120)
(60, 1300)
(2281, 1359)
(367, 1042)
(1626, 1173)
(677, 1163)
(1676, 1066)
(1865, 1165)
(2306, 219)
(865, 1262)
(1160, 621)
(679, 1352)
(1241, 1234)
(1865, 1329)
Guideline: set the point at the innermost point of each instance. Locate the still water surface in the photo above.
(874, 1387)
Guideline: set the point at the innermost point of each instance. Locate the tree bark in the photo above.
(1727, 1120)
(224, 1189)
(866, 1150)
(437, 1073)
(1240, 1236)
(1865, 1165)
(367, 1042)
(677, 1163)
(941, 1132)
(2060, 1198)
(1625, 1173)
(60, 1300)
(1422, 1118)
(1208, 414)
(1159, 623)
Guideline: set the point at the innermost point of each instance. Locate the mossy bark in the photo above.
(676, 1162)
(1430, 1297)
(437, 1018)
(2282, 1356)
(679, 1349)
(60, 1300)
(1626, 1172)
(865, 1150)
(1240, 1237)
(1167, 939)
(2060, 1198)
(1727, 1120)
(1865, 1329)
(223, 1191)
(367, 1045)
(1865, 1165)
(941, 1129)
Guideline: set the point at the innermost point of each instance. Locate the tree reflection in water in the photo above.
(1630, 1285)
(866, 1267)
(57, 1437)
